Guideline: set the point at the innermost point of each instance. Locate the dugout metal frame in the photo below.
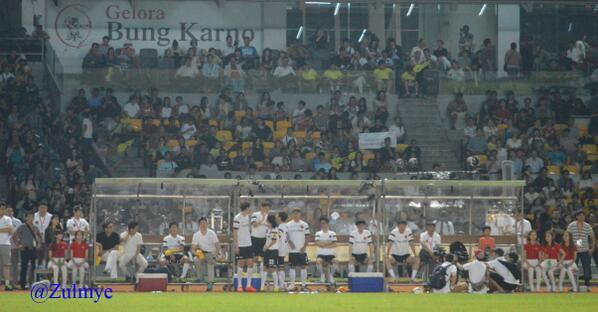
(377, 196)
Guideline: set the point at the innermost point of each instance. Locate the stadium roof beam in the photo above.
(476, 2)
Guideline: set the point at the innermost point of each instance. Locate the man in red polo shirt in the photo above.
(57, 255)
(78, 263)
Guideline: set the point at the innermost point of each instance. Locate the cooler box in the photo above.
(256, 282)
(152, 281)
(366, 282)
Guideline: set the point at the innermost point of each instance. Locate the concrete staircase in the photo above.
(130, 166)
(423, 123)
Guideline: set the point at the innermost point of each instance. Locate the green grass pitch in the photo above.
(146, 302)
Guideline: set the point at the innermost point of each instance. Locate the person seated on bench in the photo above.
(107, 243)
(326, 242)
(361, 243)
(399, 247)
(132, 241)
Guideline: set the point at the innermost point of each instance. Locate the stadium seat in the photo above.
(172, 144)
(573, 169)
(239, 115)
(309, 156)
(367, 157)
(592, 157)
(554, 170)
(258, 164)
(583, 130)
(228, 144)
(136, 124)
(316, 135)
(589, 148)
(156, 122)
(232, 154)
(269, 124)
(300, 134)
(279, 134)
(268, 145)
(214, 123)
(560, 127)
(401, 147)
(148, 58)
(247, 145)
(224, 136)
(283, 124)
(483, 159)
(192, 142)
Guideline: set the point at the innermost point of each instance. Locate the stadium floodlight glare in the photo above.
(299, 32)
(411, 7)
(337, 8)
(318, 2)
(362, 34)
(483, 9)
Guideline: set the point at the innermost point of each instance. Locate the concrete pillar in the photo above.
(376, 21)
(275, 25)
(508, 32)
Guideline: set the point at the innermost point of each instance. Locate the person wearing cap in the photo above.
(478, 273)
(584, 239)
(77, 223)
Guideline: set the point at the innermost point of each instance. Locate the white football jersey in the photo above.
(400, 242)
(360, 242)
(172, 242)
(296, 232)
(327, 237)
(242, 224)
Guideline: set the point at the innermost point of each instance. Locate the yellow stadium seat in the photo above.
(310, 155)
(135, 124)
(589, 148)
(269, 124)
(555, 170)
(300, 134)
(259, 164)
(583, 130)
(192, 143)
(268, 145)
(172, 143)
(156, 122)
(279, 134)
(247, 145)
(228, 144)
(401, 147)
(367, 157)
(283, 124)
(239, 115)
(213, 123)
(592, 157)
(483, 159)
(232, 154)
(560, 127)
(316, 135)
(224, 136)
(572, 169)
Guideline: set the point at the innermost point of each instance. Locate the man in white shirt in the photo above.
(259, 227)
(283, 246)
(6, 229)
(14, 252)
(131, 109)
(361, 244)
(206, 246)
(296, 236)
(173, 246)
(242, 244)
(443, 225)
(87, 129)
(429, 240)
(504, 274)
(132, 241)
(450, 276)
(478, 273)
(41, 220)
(400, 248)
(77, 223)
(522, 227)
(326, 241)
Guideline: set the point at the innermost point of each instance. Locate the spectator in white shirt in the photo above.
(132, 241)
(284, 74)
(77, 223)
(131, 109)
(187, 70)
(443, 225)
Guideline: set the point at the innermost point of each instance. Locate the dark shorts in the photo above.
(501, 282)
(327, 258)
(281, 261)
(400, 259)
(245, 253)
(360, 258)
(258, 246)
(298, 259)
(271, 258)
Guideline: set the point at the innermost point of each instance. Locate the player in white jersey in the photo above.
(296, 237)
(361, 243)
(271, 252)
(326, 241)
(173, 246)
(283, 247)
(399, 248)
(259, 228)
(242, 244)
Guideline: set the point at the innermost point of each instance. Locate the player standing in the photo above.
(283, 247)
(243, 249)
(259, 228)
(297, 230)
(326, 242)
(271, 252)
(361, 243)
(398, 247)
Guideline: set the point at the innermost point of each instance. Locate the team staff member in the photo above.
(477, 273)
(206, 242)
(283, 247)
(132, 241)
(27, 238)
(77, 223)
(6, 230)
(361, 244)
(398, 247)
(582, 232)
(78, 262)
(243, 249)
(297, 232)
(326, 241)
(107, 243)
(429, 240)
(259, 227)
(41, 220)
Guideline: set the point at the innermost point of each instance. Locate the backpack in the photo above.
(438, 277)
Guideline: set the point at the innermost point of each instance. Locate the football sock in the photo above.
(185, 270)
(391, 272)
(249, 276)
(292, 274)
(322, 274)
(351, 268)
(239, 276)
(275, 279)
(303, 277)
(370, 268)
(413, 274)
(331, 273)
(264, 278)
(281, 278)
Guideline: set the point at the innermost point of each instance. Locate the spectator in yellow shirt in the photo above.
(308, 78)
(334, 77)
(383, 76)
(410, 84)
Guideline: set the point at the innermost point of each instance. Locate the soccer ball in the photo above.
(473, 161)
(417, 290)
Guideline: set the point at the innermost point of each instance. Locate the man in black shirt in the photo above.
(261, 131)
(106, 244)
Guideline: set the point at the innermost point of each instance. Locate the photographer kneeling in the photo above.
(443, 279)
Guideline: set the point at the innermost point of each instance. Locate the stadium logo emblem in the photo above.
(73, 25)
